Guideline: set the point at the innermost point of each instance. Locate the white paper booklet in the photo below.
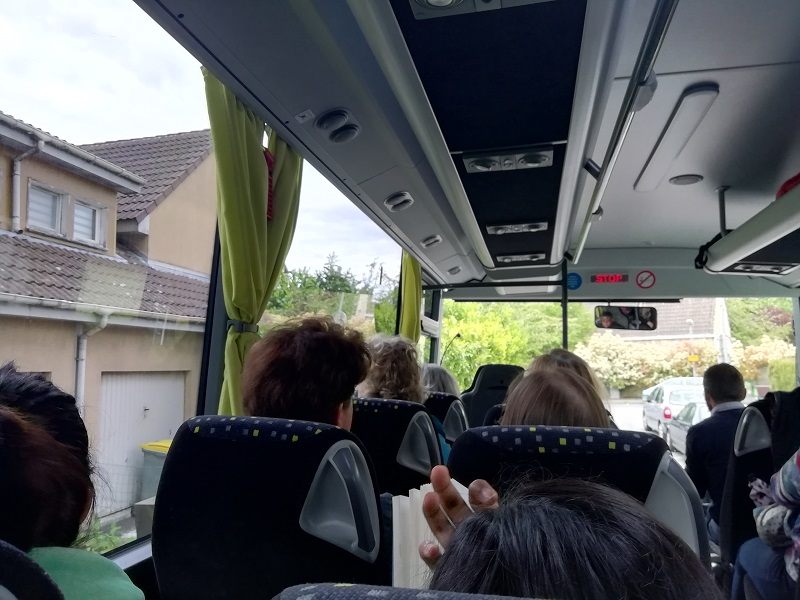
(410, 529)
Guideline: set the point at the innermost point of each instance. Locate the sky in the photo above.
(98, 70)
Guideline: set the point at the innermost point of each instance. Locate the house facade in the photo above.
(105, 252)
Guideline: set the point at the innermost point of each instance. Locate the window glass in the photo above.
(686, 414)
(86, 221)
(44, 209)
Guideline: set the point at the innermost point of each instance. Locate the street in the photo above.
(628, 416)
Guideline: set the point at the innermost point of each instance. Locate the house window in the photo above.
(86, 225)
(45, 209)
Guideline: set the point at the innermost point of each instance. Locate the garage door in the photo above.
(135, 408)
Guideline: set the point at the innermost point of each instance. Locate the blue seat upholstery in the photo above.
(488, 388)
(399, 439)
(451, 413)
(638, 464)
(22, 579)
(337, 591)
(249, 506)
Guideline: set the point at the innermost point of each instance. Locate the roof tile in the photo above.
(164, 161)
(47, 271)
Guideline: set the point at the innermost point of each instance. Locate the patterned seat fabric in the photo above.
(243, 504)
(638, 464)
(338, 591)
(22, 579)
(488, 389)
(400, 440)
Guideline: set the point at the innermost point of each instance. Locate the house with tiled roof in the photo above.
(105, 254)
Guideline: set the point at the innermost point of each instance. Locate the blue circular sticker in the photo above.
(574, 281)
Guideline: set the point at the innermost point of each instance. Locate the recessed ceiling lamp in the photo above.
(344, 134)
(482, 165)
(686, 179)
(518, 228)
(399, 201)
(692, 106)
(432, 241)
(512, 258)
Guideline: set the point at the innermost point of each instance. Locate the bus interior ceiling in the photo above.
(464, 132)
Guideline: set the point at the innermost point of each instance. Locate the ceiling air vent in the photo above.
(399, 201)
(431, 241)
(517, 228)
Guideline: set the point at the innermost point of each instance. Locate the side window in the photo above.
(45, 208)
(657, 396)
(686, 414)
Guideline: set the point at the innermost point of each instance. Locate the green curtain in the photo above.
(410, 305)
(252, 250)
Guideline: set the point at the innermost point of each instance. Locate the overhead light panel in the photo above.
(685, 179)
(692, 106)
(535, 158)
(763, 269)
(517, 228)
(515, 258)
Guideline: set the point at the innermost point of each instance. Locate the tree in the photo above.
(332, 278)
(506, 332)
(618, 363)
(753, 318)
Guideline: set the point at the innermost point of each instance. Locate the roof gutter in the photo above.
(96, 308)
(130, 182)
(16, 186)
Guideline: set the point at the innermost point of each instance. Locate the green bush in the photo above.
(782, 374)
(100, 539)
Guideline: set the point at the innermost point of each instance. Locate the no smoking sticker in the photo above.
(645, 279)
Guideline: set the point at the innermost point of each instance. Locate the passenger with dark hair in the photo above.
(570, 539)
(306, 370)
(606, 321)
(554, 397)
(709, 443)
(46, 489)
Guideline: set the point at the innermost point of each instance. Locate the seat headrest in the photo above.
(490, 376)
(752, 433)
(22, 579)
(455, 421)
(344, 591)
(239, 495)
(627, 460)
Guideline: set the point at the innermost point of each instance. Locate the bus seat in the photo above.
(400, 441)
(785, 426)
(750, 456)
(22, 579)
(636, 463)
(488, 388)
(450, 411)
(335, 591)
(248, 506)
(493, 415)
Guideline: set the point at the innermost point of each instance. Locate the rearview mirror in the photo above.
(643, 318)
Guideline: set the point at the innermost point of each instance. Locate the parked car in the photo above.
(679, 425)
(673, 381)
(668, 399)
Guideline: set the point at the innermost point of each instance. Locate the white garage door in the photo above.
(135, 408)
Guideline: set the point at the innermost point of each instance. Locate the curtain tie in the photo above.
(242, 327)
(270, 193)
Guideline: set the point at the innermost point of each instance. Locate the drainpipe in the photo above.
(80, 359)
(16, 187)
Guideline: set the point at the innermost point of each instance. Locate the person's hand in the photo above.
(445, 509)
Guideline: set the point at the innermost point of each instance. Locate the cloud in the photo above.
(98, 70)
